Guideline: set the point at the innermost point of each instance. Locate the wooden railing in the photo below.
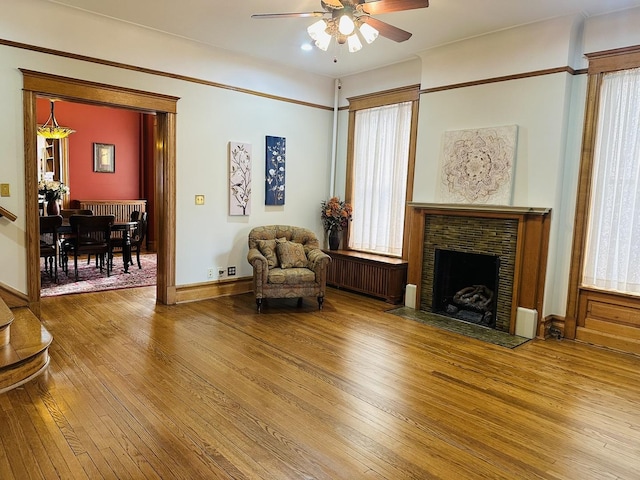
(6, 213)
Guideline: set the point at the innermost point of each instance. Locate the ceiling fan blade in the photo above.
(333, 3)
(386, 6)
(389, 31)
(288, 15)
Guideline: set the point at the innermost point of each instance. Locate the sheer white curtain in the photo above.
(612, 257)
(381, 159)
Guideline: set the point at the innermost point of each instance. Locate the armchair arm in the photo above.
(318, 262)
(258, 261)
(260, 270)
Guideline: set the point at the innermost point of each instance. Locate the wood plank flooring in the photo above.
(212, 390)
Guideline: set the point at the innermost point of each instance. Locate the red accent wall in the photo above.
(100, 125)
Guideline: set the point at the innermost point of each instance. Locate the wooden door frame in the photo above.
(164, 107)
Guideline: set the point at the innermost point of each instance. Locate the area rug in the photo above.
(91, 280)
(463, 328)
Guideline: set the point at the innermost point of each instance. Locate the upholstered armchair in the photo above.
(287, 263)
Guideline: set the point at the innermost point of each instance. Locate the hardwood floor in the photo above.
(211, 389)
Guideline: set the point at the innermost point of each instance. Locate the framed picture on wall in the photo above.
(276, 149)
(104, 158)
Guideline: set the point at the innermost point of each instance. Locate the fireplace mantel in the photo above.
(505, 209)
(530, 256)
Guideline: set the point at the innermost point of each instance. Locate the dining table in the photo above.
(125, 227)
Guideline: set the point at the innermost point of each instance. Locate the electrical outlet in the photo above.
(4, 190)
(231, 271)
(211, 273)
(221, 272)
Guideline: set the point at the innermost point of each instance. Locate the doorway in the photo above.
(163, 107)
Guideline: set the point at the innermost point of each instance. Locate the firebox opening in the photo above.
(465, 286)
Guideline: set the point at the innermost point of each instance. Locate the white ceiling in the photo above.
(228, 25)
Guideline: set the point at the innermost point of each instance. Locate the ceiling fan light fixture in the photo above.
(323, 41)
(51, 129)
(368, 33)
(346, 25)
(354, 43)
(317, 29)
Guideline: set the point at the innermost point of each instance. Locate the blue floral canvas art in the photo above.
(275, 169)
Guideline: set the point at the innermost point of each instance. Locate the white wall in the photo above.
(381, 79)
(532, 47)
(613, 30)
(208, 118)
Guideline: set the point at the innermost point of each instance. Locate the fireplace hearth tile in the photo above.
(478, 332)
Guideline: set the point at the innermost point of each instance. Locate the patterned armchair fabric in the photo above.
(278, 269)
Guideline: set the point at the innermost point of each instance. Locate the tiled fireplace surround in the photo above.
(518, 235)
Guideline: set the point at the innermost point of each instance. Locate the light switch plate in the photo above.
(4, 190)
(199, 199)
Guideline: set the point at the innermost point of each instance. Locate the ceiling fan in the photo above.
(342, 19)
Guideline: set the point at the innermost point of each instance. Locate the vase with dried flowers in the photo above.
(336, 215)
(52, 191)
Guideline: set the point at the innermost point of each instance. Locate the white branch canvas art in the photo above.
(477, 165)
(239, 178)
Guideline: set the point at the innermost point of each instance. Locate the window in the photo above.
(382, 142)
(612, 254)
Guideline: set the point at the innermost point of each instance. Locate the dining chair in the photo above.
(66, 214)
(49, 244)
(91, 235)
(137, 236)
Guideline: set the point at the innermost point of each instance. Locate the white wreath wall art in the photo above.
(477, 165)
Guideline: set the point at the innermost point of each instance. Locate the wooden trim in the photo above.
(506, 78)
(349, 178)
(613, 60)
(32, 226)
(77, 90)
(389, 97)
(582, 204)
(411, 169)
(13, 298)
(165, 207)
(545, 326)
(159, 73)
(8, 215)
(452, 208)
(97, 93)
(206, 291)
(535, 250)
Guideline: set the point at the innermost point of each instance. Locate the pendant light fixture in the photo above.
(51, 129)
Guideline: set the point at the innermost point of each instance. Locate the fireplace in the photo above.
(465, 286)
(509, 244)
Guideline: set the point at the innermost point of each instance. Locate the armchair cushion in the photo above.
(291, 276)
(268, 249)
(290, 254)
